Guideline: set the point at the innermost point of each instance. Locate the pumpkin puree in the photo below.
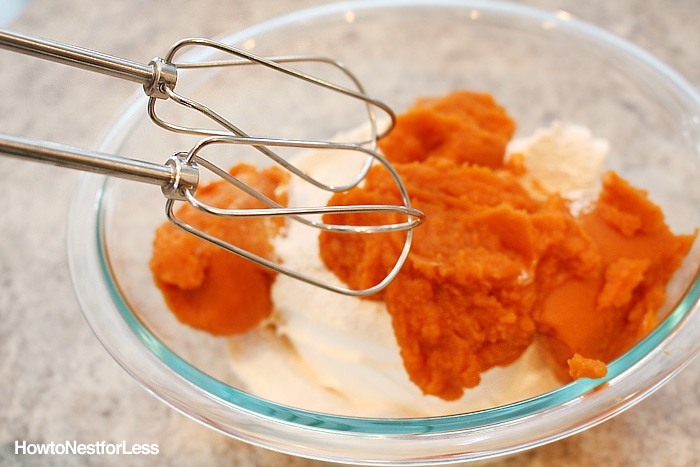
(205, 286)
(491, 270)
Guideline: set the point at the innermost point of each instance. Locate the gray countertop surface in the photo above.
(56, 381)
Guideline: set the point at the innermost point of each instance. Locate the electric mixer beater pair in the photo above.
(179, 176)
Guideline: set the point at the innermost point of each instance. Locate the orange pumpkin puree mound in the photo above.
(493, 269)
(467, 127)
(205, 286)
(602, 315)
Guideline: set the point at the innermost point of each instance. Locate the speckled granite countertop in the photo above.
(56, 381)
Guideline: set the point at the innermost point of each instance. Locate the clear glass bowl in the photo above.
(541, 67)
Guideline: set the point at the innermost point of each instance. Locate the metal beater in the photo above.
(179, 176)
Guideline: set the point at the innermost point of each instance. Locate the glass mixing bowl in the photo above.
(541, 67)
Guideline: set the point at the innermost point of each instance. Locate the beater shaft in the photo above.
(152, 76)
(172, 176)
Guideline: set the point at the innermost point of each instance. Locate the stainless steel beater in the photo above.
(179, 176)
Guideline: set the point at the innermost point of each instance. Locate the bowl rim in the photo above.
(286, 429)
